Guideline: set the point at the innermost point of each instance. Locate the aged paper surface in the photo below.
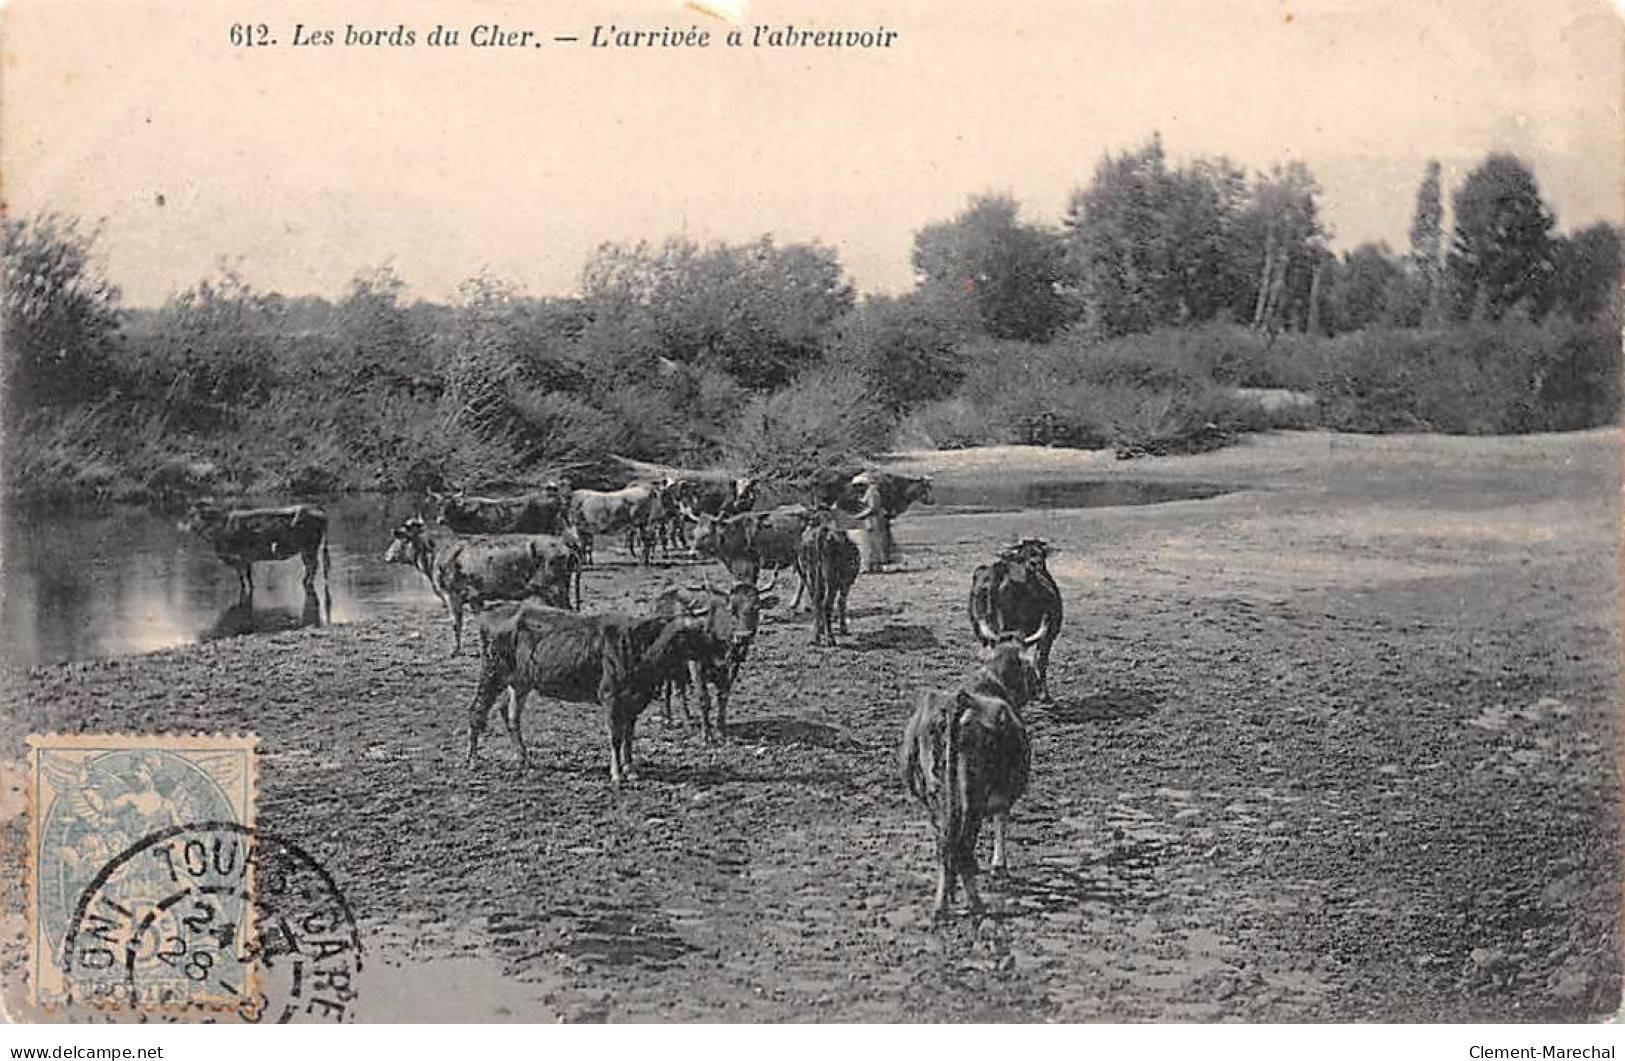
(1323, 725)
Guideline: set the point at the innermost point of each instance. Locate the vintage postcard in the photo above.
(764, 511)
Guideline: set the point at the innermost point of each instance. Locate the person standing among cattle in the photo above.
(876, 537)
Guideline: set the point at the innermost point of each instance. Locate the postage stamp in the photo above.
(141, 891)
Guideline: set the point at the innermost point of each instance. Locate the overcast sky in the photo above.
(305, 165)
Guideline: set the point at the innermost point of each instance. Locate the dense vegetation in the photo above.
(1141, 322)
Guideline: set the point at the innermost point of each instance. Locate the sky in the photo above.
(303, 165)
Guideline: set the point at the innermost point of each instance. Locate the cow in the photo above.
(470, 571)
(828, 563)
(542, 512)
(729, 618)
(614, 661)
(1016, 593)
(241, 537)
(693, 497)
(749, 541)
(966, 756)
(898, 492)
(634, 509)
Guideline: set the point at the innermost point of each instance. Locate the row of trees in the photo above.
(1148, 245)
(667, 348)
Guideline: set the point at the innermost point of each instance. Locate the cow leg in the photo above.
(628, 728)
(1001, 870)
(456, 625)
(492, 682)
(725, 683)
(516, 706)
(615, 725)
(311, 557)
(1043, 670)
(842, 598)
(945, 884)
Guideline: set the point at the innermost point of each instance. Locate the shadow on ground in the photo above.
(1107, 705)
(901, 637)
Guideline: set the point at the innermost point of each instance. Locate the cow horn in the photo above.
(984, 630)
(1043, 629)
(771, 582)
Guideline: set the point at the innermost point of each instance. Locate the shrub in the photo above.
(823, 419)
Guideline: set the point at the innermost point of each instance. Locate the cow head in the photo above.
(919, 490)
(1029, 553)
(1013, 660)
(733, 615)
(410, 544)
(703, 541)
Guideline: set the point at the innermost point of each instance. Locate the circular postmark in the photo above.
(215, 916)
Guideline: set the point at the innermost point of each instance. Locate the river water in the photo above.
(123, 580)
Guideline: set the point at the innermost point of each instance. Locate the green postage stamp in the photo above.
(141, 890)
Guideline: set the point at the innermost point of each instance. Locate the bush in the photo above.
(1475, 379)
(822, 420)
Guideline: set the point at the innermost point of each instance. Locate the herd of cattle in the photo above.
(516, 563)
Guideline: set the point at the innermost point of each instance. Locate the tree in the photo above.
(1501, 250)
(758, 311)
(1586, 272)
(1427, 240)
(1288, 242)
(906, 346)
(1362, 286)
(214, 346)
(61, 315)
(1009, 272)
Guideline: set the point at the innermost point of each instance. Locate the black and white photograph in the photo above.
(761, 512)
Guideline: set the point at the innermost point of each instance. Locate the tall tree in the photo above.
(1009, 271)
(1501, 250)
(1362, 286)
(1289, 245)
(61, 314)
(1586, 273)
(1427, 241)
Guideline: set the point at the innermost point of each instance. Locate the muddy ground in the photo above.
(1340, 745)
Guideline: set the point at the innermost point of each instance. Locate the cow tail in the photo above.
(575, 574)
(953, 793)
(327, 559)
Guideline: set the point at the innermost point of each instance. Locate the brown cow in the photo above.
(241, 537)
(611, 660)
(541, 512)
(634, 509)
(966, 756)
(468, 572)
(828, 563)
(1017, 594)
(730, 619)
(750, 541)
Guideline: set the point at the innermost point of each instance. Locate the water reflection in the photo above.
(119, 581)
(245, 617)
(1000, 496)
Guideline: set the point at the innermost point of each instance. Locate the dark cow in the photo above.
(610, 660)
(729, 618)
(898, 492)
(966, 756)
(828, 564)
(241, 537)
(634, 509)
(750, 541)
(471, 571)
(692, 497)
(542, 512)
(1016, 593)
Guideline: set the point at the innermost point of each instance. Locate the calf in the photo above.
(468, 572)
(610, 660)
(828, 564)
(966, 756)
(1017, 594)
(244, 536)
(728, 619)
